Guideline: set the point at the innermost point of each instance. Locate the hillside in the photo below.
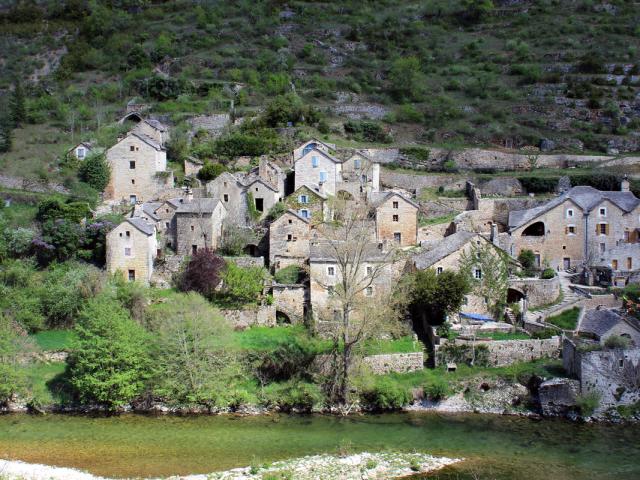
(561, 75)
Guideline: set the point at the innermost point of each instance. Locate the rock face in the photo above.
(558, 396)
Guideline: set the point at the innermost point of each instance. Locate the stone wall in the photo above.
(538, 291)
(290, 300)
(262, 316)
(246, 261)
(506, 352)
(502, 186)
(395, 362)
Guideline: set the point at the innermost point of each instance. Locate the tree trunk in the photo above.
(346, 357)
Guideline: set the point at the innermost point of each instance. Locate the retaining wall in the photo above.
(263, 316)
(506, 352)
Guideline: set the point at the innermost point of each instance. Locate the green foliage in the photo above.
(95, 171)
(53, 208)
(385, 395)
(292, 395)
(588, 403)
(539, 184)
(243, 285)
(548, 273)
(436, 389)
(245, 144)
(464, 353)
(437, 294)
(544, 333)
(527, 259)
(276, 212)
(287, 109)
(476, 10)
(566, 320)
(110, 361)
(54, 340)
(366, 131)
(6, 134)
(406, 79)
(11, 347)
(617, 342)
(254, 214)
(17, 108)
(210, 171)
(289, 275)
(235, 239)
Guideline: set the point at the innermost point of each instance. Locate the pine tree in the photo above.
(17, 109)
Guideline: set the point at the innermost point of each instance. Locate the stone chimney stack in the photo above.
(624, 185)
(494, 233)
(188, 194)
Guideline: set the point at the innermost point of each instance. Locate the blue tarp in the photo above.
(476, 316)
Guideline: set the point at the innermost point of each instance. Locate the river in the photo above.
(497, 447)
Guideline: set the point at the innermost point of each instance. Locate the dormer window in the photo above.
(570, 213)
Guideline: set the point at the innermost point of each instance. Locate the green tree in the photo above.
(110, 362)
(195, 359)
(243, 284)
(406, 78)
(12, 345)
(6, 135)
(284, 109)
(528, 261)
(17, 108)
(433, 296)
(476, 10)
(210, 171)
(95, 171)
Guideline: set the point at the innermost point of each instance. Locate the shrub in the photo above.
(95, 171)
(301, 396)
(527, 259)
(202, 274)
(588, 403)
(544, 333)
(243, 284)
(539, 184)
(617, 342)
(437, 389)
(368, 131)
(385, 395)
(548, 273)
(210, 171)
(289, 275)
(276, 212)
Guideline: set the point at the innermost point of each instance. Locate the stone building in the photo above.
(577, 227)
(232, 193)
(289, 240)
(82, 150)
(446, 255)
(308, 203)
(318, 169)
(192, 166)
(199, 225)
(616, 266)
(601, 323)
(263, 194)
(361, 170)
(131, 249)
(309, 145)
(138, 169)
(153, 129)
(396, 218)
(163, 215)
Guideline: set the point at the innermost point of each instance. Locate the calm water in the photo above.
(495, 447)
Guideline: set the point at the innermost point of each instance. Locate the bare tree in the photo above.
(360, 304)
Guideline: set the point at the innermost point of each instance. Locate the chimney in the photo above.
(624, 185)
(494, 233)
(188, 195)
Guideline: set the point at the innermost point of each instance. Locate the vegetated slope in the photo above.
(467, 72)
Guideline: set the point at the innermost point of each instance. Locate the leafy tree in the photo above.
(60, 240)
(235, 239)
(110, 362)
(243, 284)
(17, 108)
(95, 171)
(55, 209)
(289, 275)
(210, 171)
(202, 274)
(434, 296)
(528, 261)
(476, 10)
(407, 80)
(195, 357)
(284, 109)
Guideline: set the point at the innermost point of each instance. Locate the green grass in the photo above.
(269, 338)
(39, 377)
(423, 222)
(566, 320)
(54, 340)
(504, 335)
(400, 345)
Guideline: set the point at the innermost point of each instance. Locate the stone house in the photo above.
(232, 193)
(192, 166)
(309, 145)
(138, 169)
(601, 323)
(199, 225)
(308, 203)
(620, 264)
(82, 150)
(446, 255)
(263, 195)
(324, 274)
(320, 170)
(361, 170)
(289, 240)
(154, 129)
(578, 227)
(163, 215)
(131, 250)
(396, 218)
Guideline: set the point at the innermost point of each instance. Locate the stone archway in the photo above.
(282, 318)
(133, 117)
(514, 295)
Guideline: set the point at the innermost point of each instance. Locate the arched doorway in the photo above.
(282, 318)
(534, 230)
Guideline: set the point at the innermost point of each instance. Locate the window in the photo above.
(132, 275)
(194, 249)
(369, 271)
(570, 213)
(323, 177)
(331, 271)
(260, 204)
(629, 263)
(303, 199)
(397, 237)
(225, 184)
(626, 236)
(369, 291)
(314, 162)
(127, 252)
(477, 273)
(602, 212)
(396, 218)
(603, 228)
(356, 163)
(614, 264)
(166, 224)
(289, 237)
(166, 210)
(226, 197)
(395, 204)
(304, 213)
(571, 229)
(132, 165)
(439, 270)
(81, 153)
(133, 182)
(132, 148)
(290, 221)
(127, 233)
(133, 199)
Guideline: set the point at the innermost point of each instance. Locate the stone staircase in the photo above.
(571, 297)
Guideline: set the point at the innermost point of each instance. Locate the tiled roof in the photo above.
(142, 225)
(599, 322)
(448, 245)
(324, 251)
(156, 124)
(378, 198)
(150, 209)
(147, 139)
(198, 205)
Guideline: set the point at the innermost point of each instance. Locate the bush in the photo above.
(548, 273)
(203, 273)
(368, 131)
(95, 171)
(437, 389)
(539, 184)
(588, 403)
(210, 171)
(385, 395)
(243, 284)
(527, 259)
(617, 342)
(301, 396)
(289, 275)
(463, 353)
(544, 333)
